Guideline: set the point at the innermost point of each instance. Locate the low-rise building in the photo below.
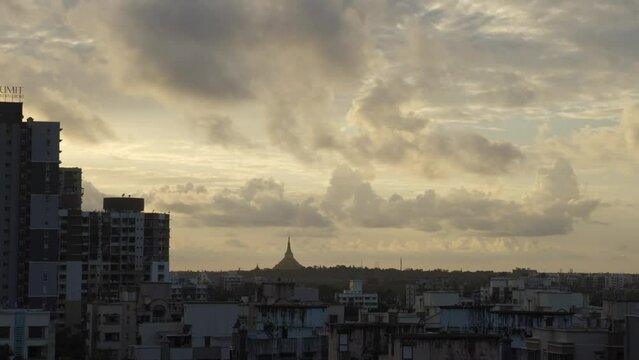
(279, 325)
(568, 344)
(355, 296)
(232, 281)
(112, 328)
(429, 304)
(449, 346)
(204, 333)
(29, 333)
(549, 300)
(395, 339)
(631, 345)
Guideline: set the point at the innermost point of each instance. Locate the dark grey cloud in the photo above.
(395, 136)
(234, 50)
(185, 188)
(419, 65)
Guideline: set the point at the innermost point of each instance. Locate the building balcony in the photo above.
(287, 346)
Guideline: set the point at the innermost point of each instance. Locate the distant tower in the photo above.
(288, 262)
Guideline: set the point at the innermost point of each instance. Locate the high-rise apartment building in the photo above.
(29, 200)
(74, 247)
(105, 253)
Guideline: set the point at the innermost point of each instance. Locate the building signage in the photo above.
(11, 93)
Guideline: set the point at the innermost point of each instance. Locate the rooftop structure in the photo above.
(288, 262)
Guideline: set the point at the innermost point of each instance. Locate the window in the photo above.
(36, 332)
(549, 321)
(407, 352)
(5, 332)
(207, 341)
(343, 342)
(37, 352)
(111, 319)
(534, 355)
(112, 337)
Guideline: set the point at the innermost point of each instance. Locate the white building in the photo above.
(616, 281)
(205, 332)
(430, 302)
(355, 296)
(549, 300)
(29, 333)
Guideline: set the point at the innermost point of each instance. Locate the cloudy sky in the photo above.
(452, 134)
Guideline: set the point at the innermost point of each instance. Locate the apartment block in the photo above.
(29, 194)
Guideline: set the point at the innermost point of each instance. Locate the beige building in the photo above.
(112, 328)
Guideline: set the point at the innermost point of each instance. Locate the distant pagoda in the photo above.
(288, 262)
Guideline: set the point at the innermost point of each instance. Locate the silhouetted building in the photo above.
(71, 188)
(105, 253)
(288, 262)
(29, 194)
(280, 325)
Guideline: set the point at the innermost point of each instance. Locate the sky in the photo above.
(449, 134)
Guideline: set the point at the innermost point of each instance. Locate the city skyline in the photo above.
(448, 134)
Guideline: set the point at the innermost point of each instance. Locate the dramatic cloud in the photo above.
(231, 50)
(550, 209)
(390, 132)
(260, 202)
(53, 67)
(461, 94)
(216, 51)
(77, 121)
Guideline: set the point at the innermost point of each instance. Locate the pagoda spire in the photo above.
(289, 252)
(288, 262)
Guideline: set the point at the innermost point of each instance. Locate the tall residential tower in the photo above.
(29, 201)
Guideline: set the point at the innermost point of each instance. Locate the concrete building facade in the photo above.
(105, 253)
(356, 297)
(29, 194)
(29, 333)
